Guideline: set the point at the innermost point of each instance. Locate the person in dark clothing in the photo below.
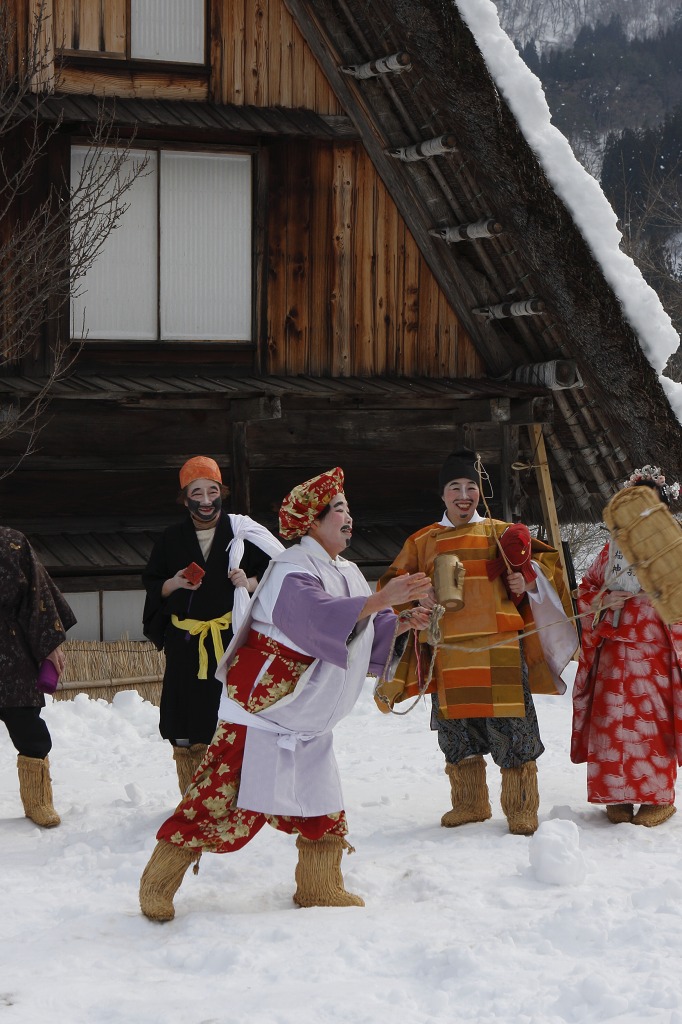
(34, 618)
(193, 621)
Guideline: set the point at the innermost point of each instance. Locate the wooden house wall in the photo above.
(117, 461)
(342, 288)
(348, 291)
(258, 56)
(255, 51)
(108, 460)
(377, 448)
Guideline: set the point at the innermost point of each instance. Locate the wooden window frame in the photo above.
(136, 61)
(259, 188)
(95, 58)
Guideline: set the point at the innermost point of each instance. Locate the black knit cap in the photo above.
(461, 463)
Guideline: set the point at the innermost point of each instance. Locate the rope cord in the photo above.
(521, 467)
(435, 641)
(481, 473)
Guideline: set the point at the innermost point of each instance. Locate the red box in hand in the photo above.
(193, 573)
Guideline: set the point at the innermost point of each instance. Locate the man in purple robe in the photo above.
(295, 668)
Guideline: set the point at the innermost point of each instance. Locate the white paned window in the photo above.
(109, 615)
(205, 246)
(170, 30)
(86, 609)
(178, 266)
(122, 614)
(117, 297)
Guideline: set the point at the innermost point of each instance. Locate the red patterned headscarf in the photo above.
(303, 504)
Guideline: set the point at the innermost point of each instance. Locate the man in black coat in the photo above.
(188, 611)
(34, 618)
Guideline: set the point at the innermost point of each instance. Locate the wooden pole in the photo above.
(549, 512)
(508, 478)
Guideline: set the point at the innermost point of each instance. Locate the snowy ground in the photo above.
(458, 925)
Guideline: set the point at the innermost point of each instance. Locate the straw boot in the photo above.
(520, 798)
(653, 814)
(187, 760)
(619, 814)
(469, 793)
(162, 877)
(35, 788)
(319, 882)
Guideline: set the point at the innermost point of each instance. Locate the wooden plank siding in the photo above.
(342, 288)
(342, 283)
(89, 26)
(266, 61)
(132, 84)
(349, 293)
(321, 235)
(297, 320)
(257, 56)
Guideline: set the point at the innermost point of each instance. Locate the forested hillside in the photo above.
(612, 75)
(606, 81)
(557, 22)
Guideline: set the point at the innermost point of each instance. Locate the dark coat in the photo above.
(189, 705)
(34, 618)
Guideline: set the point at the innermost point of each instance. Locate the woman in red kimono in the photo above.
(627, 698)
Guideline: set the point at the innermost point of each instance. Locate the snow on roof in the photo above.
(581, 193)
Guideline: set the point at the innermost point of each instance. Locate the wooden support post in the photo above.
(509, 483)
(549, 513)
(240, 490)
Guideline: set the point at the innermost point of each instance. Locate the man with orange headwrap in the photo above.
(198, 581)
(295, 668)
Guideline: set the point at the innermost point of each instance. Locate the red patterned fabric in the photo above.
(627, 700)
(207, 817)
(303, 504)
(516, 544)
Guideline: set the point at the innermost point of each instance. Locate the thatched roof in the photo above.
(622, 417)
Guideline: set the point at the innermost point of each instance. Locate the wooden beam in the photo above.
(260, 259)
(265, 407)
(521, 411)
(509, 479)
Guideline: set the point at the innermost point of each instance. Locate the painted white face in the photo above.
(335, 531)
(203, 501)
(461, 497)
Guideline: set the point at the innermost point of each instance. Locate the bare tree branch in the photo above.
(47, 244)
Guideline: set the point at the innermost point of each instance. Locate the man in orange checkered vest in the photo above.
(484, 671)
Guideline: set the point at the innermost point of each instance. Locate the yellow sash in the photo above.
(196, 627)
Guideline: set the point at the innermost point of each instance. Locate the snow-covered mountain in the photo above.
(553, 23)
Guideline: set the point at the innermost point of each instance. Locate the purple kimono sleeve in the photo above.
(314, 621)
(384, 629)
